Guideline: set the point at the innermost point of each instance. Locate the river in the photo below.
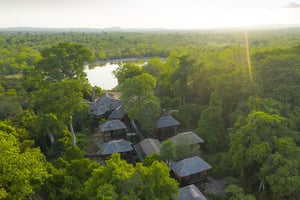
(102, 76)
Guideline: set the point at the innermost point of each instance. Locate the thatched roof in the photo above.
(188, 137)
(190, 166)
(115, 146)
(147, 147)
(191, 192)
(112, 125)
(166, 121)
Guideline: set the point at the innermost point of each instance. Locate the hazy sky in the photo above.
(147, 13)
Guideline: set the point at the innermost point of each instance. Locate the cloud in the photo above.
(293, 5)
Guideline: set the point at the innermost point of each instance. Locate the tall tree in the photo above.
(127, 71)
(22, 170)
(262, 150)
(120, 180)
(64, 61)
(139, 100)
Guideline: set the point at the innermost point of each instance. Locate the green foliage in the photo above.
(189, 115)
(127, 71)
(115, 173)
(154, 67)
(67, 179)
(278, 76)
(150, 159)
(10, 104)
(235, 192)
(21, 171)
(211, 129)
(167, 151)
(64, 61)
(206, 75)
(120, 180)
(60, 98)
(262, 150)
(139, 100)
(174, 151)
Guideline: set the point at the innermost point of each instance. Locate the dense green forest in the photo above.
(238, 90)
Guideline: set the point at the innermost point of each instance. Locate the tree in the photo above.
(10, 104)
(22, 170)
(174, 151)
(167, 151)
(235, 192)
(154, 67)
(278, 76)
(127, 71)
(120, 180)
(113, 175)
(265, 155)
(67, 179)
(211, 128)
(64, 61)
(60, 98)
(139, 100)
(152, 182)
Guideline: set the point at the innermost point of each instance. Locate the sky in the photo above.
(169, 14)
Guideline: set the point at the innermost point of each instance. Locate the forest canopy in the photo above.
(238, 90)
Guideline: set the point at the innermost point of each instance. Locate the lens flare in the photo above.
(248, 57)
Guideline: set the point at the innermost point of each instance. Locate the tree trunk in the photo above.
(72, 133)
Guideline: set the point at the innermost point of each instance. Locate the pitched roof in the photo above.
(147, 147)
(100, 109)
(190, 166)
(106, 99)
(104, 104)
(112, 125)
(115, 146)
(118, 113)
(166, 121)
(191, 192)
(188, 137)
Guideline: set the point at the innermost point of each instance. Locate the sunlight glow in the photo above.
(169, 14)
(248, 57)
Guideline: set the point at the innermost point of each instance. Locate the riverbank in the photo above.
(120, 60)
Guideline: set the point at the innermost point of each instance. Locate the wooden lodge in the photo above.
(146, 147)
(113, 130)
(166, 127)
(117, 146)
(104, 106)
(191, 170)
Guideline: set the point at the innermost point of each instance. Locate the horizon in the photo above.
(117, 28)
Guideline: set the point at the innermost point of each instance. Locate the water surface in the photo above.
(102, 76)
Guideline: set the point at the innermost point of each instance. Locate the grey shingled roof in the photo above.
(147, 147)
(190, 166)
(118, 113)
(115, 146)
(191, 192)
(166, 121)
(112, 125)
(189, 137)
(100, 109)
(104, 104)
